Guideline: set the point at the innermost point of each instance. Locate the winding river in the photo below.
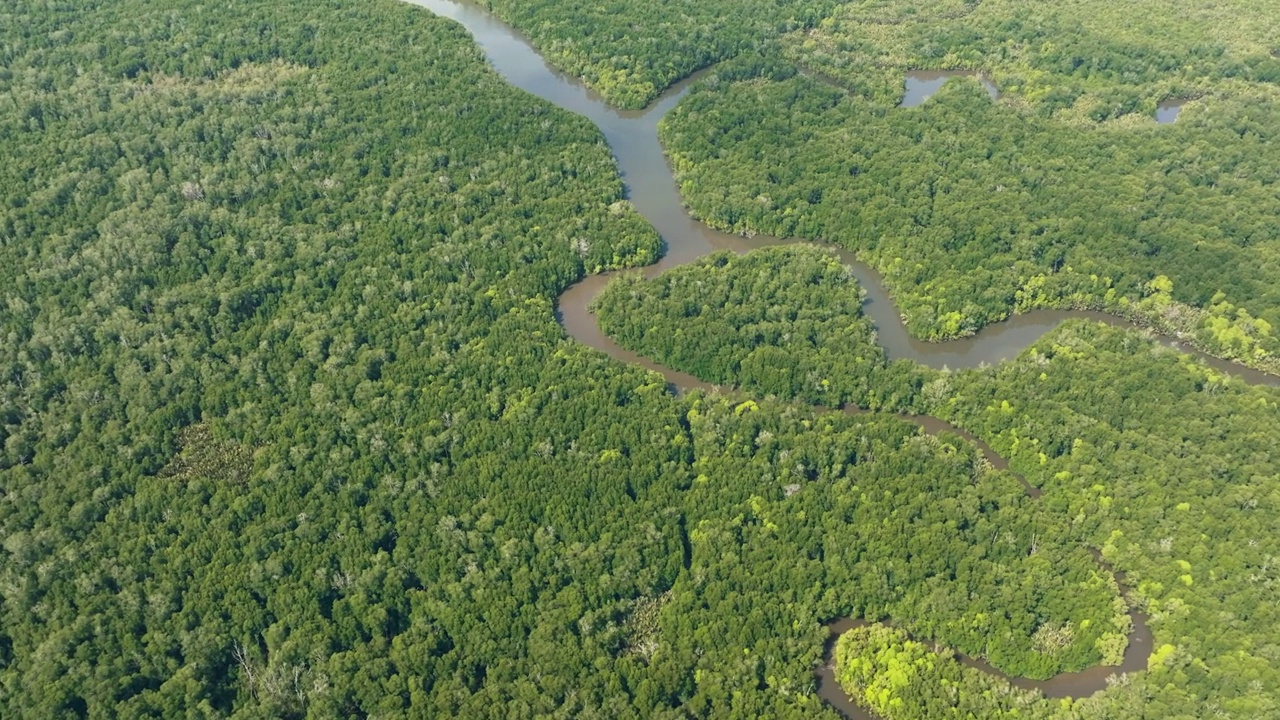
(633, 138)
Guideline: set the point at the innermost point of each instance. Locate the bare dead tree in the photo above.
(246, 666)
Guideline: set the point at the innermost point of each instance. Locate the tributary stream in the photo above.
(633, 138)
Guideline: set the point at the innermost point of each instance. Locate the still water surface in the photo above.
(1167, 111)
(922, 84)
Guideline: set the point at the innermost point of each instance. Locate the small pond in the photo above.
(922, 84)
(1167, 111)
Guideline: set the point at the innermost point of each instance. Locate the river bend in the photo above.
(651, 187)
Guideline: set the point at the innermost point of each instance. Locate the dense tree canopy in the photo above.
(289, 428)
(784, 321)
(630, 51)
(972, 210)
(1165, 466)
(315, 246)
(1082, 61)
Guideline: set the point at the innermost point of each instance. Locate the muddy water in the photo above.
(632, 135)
(922, 84)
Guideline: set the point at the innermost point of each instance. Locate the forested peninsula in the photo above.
(972, 209)
(291, 425)
(1121, 435)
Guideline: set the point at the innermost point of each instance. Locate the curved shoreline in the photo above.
(652, 189)
(1069, 684)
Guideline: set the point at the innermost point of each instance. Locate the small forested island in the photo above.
(361, 362)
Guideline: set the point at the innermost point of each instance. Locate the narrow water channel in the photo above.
(633, 138)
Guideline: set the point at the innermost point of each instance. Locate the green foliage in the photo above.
(630, 52)
(782, 320)
(900, 679)
(1165, 465)
(1082, 61)
(201, 456)
(825, 515)
(972, 210)
(329, 236)
(289, 428)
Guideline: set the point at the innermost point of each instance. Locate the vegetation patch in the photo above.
(630, 52)
(201, 456)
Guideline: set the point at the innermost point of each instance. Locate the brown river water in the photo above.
(633, 138)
